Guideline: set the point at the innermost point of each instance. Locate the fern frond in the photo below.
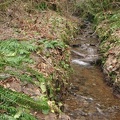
(15, 52)
(23, 100)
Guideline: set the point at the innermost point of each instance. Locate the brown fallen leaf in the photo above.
(51, 116)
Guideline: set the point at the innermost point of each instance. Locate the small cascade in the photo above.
(80, 62)
(86, 55)
(91, 52)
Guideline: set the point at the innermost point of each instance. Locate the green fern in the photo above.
(53, 44)
(41, 6)
(13, 52)
(19, 99)
(11, 100)
(13, 113)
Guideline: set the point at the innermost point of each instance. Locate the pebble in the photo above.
(83, 113)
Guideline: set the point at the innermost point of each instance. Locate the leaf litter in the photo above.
(23, 26)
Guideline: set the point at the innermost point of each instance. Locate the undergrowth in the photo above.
(15, 61)
(105, 15)
(16, 55)
(53, 44)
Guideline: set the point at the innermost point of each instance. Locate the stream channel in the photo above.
(89, 98)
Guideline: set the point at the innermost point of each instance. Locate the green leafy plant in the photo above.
(13, 52)
(53, 44)
(41, 6)
(10, 99)
(64, 65)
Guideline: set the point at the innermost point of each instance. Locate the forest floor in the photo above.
(35, 57)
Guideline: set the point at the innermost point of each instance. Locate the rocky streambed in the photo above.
(89, 98)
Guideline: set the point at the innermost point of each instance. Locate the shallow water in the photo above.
(89, 97)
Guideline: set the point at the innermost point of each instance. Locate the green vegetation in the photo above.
(41, 6)
(53, 44)
(105, 14)
(15, 52)
(16, 55)
(8, 97)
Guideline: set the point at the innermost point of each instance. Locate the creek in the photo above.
(89, 98)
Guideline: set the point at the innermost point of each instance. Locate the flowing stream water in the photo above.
(89, 98)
